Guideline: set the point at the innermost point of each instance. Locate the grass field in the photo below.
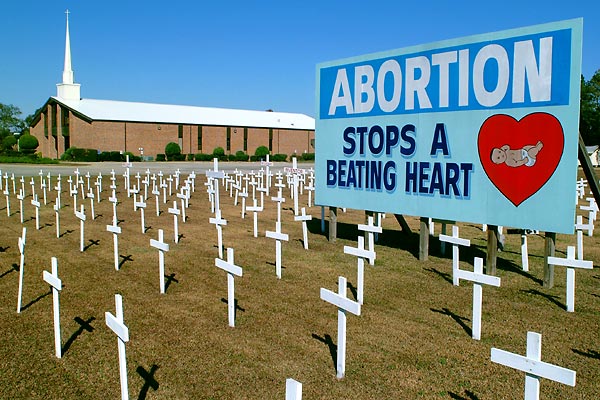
(412, 340)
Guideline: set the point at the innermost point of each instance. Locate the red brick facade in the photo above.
(73, 130)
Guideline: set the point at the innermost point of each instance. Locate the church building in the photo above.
(67, 120)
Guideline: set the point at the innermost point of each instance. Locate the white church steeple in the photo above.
(68, 90)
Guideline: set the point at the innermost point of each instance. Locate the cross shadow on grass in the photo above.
(332, 347)
(83, 326)
(68, 231)
(170, 279)
(149, 381)
(589, 353)
(469, 396)
(353, 290)
(457, 318)
(32, 302)
(548, 297)
(236, 306)
(14, 268)
(3, 249)
(92, 243)
(125, 259)
(446, 276)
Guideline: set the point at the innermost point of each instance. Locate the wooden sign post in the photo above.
(533, 367)
(162, 247)
(478, 278)
(116, 324)
(232, 270)
(56, 284)
(344, 305)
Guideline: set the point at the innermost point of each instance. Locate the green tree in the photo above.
(172, 150)
(10, 122)
(9, 142)
(28, 144)
(261, 151)
(589, 117)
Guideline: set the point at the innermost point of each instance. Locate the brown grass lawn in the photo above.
(411, 341)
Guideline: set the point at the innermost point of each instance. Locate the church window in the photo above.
(64, 113)
(54, 121)
(245, 139)
(270, 139)
(200, 138)
(228, 138)
(45, 114)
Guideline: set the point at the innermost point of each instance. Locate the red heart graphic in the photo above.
(509, 161)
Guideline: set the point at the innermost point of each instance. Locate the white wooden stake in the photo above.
(21, 196)
(175, 213)
(81, 216)
(37, 205)
(304, 218)
(478, 278)
(456, 241)
(6, 193)
(524, 253)
(293, 389)
(162, 247)
(278, 236)
(116, 324)
(21, 243)
(115, 230)
(56, 213)
(232, 270)
(571, 263)
(344, 305)
(533, 367)
(56, 284)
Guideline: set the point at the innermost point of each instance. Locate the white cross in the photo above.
(21, 196)
(117, 325)
(533, 367)
(278, 236)
(231, 269)
(218, 222)
(361, 253)
(293, 389)
(303, 217)
(478, 278)
(142, 206)
(456, 241)
(21, 243)
(37, 205)
(244, 195)
(45, 191)
(267, 164)
(81, 216)
(215, 174)
(182, 197)
(279, 199)
(344, 305)
(255, 209)
(56, 284)
(115, 230)
(162, 247)
(57, 215)
(91, 196)
(579, 227)
(370, 229)
(113, 199)
(156, 194)
(571, 263)
(6, 193)
(175, 213)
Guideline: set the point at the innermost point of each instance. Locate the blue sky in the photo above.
(238, 54)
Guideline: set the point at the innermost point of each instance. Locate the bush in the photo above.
(171, 150)
(9, 142)
(255, 158)
(241, 156)
(77, 154)
(110, 156)
(28, 144)
(190, 157)
(161, 157)
(308, 156)
(132, 158)
(279, 157)
(203, 157)
(261, 151)
(224, 157)
(218, 152)
(179, 157)
(231, 157)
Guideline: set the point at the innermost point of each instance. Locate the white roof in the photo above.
(109, 110)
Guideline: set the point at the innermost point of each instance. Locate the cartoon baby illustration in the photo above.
(515, 158)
